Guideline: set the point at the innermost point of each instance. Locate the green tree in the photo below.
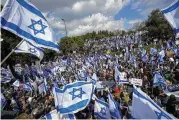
(157, 26)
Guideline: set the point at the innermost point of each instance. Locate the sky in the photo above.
(83, 16)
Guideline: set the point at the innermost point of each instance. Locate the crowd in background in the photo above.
(20, 83)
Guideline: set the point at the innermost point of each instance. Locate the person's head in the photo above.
(172, 98)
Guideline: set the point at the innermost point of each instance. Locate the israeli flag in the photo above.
(114, 110)
(145, 58)
(55, 70)
(27, 47)
(3, 101)
(94, 77)
(27, 87)
(162, 53)
(16, 83)
(153, 51)
(143, 107)
(171, 13)
(159, 80)
(42, 88)
(67, 117)
(25, 20)
(73, 97)
(101, 109)
(117, 73)
(53, 115)
(63, 81)
(119, 77)
(6, 76)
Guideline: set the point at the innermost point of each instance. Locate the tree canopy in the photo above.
(155, 25)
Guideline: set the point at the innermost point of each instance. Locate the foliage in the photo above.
(157, 26)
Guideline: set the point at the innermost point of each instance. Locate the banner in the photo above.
(135, 81)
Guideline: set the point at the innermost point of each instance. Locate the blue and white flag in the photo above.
(6, 76)
(114, 109)
(67, 117)
(53, 115)
(25, 20)
(63, 81)
(145, 58)
(159, 80)
(162, 53)
(73, 97)
(94, 77)
(119, 77)
(27, 87)
(16, 83)
(117, 73)
(171, 13)
(42, 88)
(55, 70)
(37, 79)
(153, 51)
(3, 101)
(27, 47)
(101, 109)
(143, 107)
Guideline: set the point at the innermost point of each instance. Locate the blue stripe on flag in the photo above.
(142, 96)
(31, 8)
(71, 116)
(72, 107)
(99, 116)
(76, 84)
(42, 50)
(176, 30)
(101, 102)
(15, 29)
(48, 116)
(171, 8)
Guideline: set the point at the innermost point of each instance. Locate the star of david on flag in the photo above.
(143, 107)
(73, 97)
(77, 93)
(101, 109)
(37, 26)
(32, 50)
(28, 23)
(27, 47)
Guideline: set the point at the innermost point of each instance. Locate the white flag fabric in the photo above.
(27, 87)
(114, 110)
(42, 88)
(73, 97)
(16, 83)
(54, 115)
(3, 101)
(67, 117)
(94, 77)
(171, 13)
(143, 107)
(25, 20)
(101, 109)
(120, 77)
(27, 47)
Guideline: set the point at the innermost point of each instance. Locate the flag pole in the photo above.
(11, 52)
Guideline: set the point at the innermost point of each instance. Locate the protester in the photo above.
(28, 91)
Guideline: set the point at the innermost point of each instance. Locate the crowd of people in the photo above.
(22, 94)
